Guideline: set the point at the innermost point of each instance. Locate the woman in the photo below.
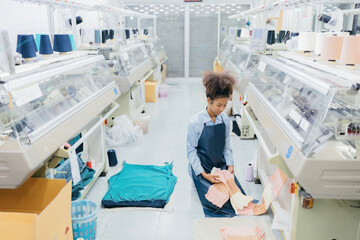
(208, 141)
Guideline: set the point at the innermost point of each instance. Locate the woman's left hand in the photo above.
(231, 169)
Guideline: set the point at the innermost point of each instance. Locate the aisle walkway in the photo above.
(166, 142)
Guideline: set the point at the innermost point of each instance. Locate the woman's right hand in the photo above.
(213, 178)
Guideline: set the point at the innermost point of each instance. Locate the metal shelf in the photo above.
(82, 6)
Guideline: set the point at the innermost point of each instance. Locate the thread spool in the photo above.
(245, 33)
(104, 35)
(37, 40)
(271, 37)
(307, 41)
(146, 32)
(97, 36)
(323, 17)
(111, 33)
(26, 46)
(45, 45)
(331, 47)
(281, 36)
(78, 20)
(127, 33)
(62, 43)
(112, 157)
(249, 173)
(350, 54)
(287, 36)
(319, 41)
(238, 34)
(294, 34)
(72, 41)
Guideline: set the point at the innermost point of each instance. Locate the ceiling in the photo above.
(181, 2)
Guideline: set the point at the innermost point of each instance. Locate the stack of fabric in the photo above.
(219, 193)
(140, 186)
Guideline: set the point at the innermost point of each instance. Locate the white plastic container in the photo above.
(163, 90)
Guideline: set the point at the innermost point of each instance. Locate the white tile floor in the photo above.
(166, 142)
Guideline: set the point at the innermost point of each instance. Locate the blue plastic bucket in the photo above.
(83, 216)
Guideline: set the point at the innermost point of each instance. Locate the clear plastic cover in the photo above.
(32, 103)
(133, 57)
(310, 105)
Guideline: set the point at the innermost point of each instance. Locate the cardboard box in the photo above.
(40, 209)
(151, 91)
(163, 73)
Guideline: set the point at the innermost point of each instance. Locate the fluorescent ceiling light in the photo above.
(161, 10)
(197, 12)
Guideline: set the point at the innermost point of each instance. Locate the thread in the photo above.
(97, 36)
(245, 33)
(271, 37)
(323, 17)
(26, 45)
(62, 43)
(281, 36)
(238, 34)
(112, 157)
(127, 33)
(331, 47)
(146, 32)
(307, 41)
(249, 173)
(111, 33)
(72, 40)
(350, 54)
(37, 40)
(319, 41)
(294, 34)
(45, 45)
(287, 36)
(78, 20)
(104, 35)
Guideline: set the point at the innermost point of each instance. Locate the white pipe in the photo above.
(89, 132)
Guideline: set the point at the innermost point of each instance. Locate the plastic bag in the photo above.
(142, 120)
(123, 131)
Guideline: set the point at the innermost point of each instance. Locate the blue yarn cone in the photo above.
(271, 37)
(112, 157)
(72, 40)
(111, 33)
(62, 43)
(45, 45)
(97, 36)
(37, 40)
(26, 45)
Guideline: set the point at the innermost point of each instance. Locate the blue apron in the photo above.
(210, 151)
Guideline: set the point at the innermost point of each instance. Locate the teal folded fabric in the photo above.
(140, 185)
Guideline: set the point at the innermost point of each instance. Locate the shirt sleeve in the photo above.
(193, 136)
(227, 150)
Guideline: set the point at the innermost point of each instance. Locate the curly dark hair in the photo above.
(218, 84)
